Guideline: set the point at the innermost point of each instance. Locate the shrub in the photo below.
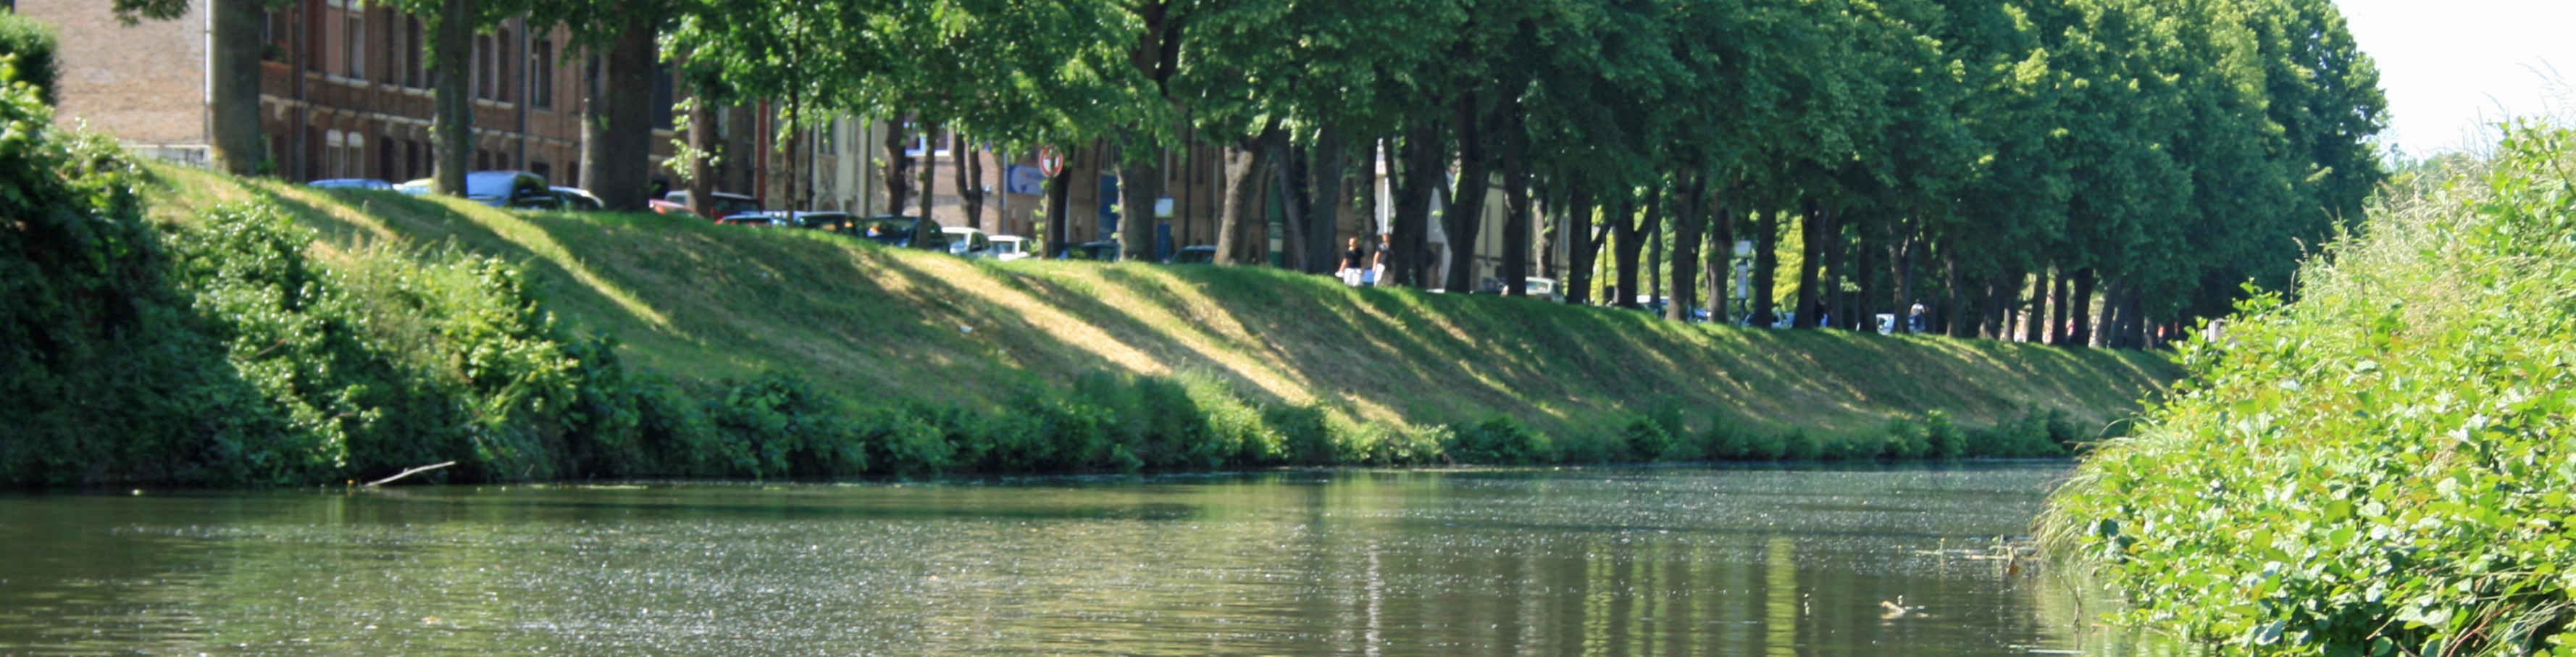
(34, 47)
(1644, 439)
(2381, 467)
(1500, 440)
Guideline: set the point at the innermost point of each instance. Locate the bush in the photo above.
(34, 48)
(2381, 467)
(1500, 440)
(1644, 439)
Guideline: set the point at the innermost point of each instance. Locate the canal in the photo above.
(1893, 560)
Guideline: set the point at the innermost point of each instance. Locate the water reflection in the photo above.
(1644, 562)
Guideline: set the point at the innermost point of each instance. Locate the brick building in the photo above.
(345, 92)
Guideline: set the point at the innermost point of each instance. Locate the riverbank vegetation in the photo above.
(244, 332)
(2381, 467)
(2013, 165)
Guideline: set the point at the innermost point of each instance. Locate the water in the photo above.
(1656, 561)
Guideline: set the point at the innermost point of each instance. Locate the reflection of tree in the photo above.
(1782, 608)
(1670, 562)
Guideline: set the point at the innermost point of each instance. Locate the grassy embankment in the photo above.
(693, 300)
(2381, 467)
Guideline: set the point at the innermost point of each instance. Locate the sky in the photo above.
(2450, 65)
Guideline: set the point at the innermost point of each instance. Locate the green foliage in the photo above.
(31, 49)
(1500, 440)
(2380, 467)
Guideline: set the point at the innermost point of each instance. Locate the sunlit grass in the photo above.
(694, 300)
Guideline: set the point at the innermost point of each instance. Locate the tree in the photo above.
(616, 164)
(232, 65)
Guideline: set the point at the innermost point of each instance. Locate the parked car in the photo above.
(968, 242)
(575, 198)
(902, 231)
(350, 183)
(826, 220)
(500, 189)
(1102, 250)
(1009, 247)
(720, 204)
(761, 219)
(1194, 255)
(1543, 288)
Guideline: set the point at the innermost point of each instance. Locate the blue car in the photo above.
(350, 183)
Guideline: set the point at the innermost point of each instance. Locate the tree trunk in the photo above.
(1835, 270)
(2037, 316)
(2058, 289)
(1689, 221)
(2080, 304)
(1466, 211)
(1417, 178)
(702, 143)
(1059, 218)
(1627, 233)
(1811, 231)
(969, 180)
(1292, 205)
(234, 110)
(795, 121)
(1958, 306)
(454, 125)
(1140, 184)
(1243, 194)
(1908, 278)
(899, 166)
(1323, 210)
(617, 166)
(1721, 261)
(929, 168)
(1653, 235)
(1766, 266)
(2106, 324)
(2133, 318)
(1581, 251)
(1517, 225)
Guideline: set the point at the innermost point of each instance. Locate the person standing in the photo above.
(1377, 263)
(1352, 260)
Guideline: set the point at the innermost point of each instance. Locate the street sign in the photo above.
(1050, 161)
(1023, 180)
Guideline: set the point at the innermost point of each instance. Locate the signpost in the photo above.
(1050, 161)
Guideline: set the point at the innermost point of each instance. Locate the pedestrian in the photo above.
(1377, 262)
(1914, 319)
(1352, 260)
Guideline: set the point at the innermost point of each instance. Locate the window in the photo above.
(541, 70)
(355, 45)
(924, 143)
(334, 154)
(273, 31)
(503, 76)
(414, 48)
(482, 67)
(665, 85)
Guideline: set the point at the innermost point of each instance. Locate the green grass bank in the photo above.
(329, 335)
(2382, 466)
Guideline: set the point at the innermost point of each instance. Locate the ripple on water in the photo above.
(1729, 561)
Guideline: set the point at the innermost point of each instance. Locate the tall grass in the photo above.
(2381, 467)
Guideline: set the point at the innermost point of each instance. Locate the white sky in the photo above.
(2449, 66)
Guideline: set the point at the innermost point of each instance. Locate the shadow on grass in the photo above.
(700, 300)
